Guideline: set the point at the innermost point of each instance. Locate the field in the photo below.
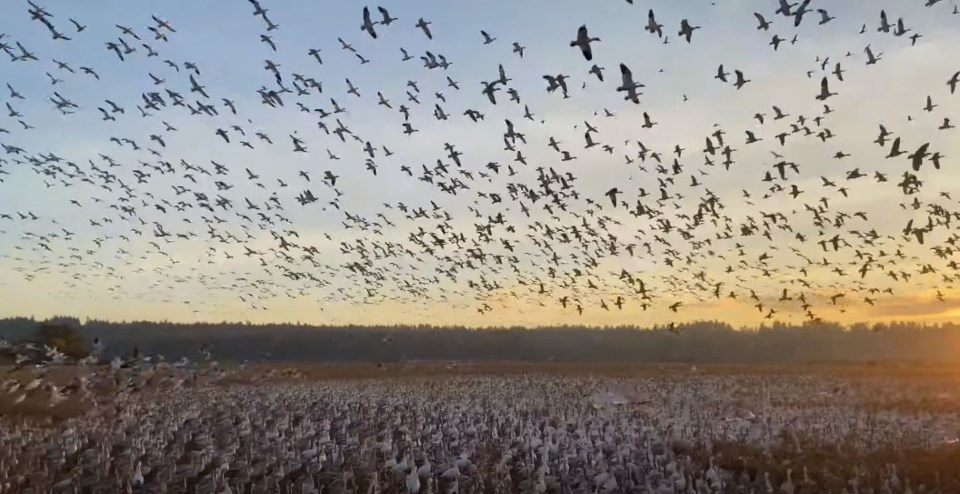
(898, 370)
(922, 381)
(489, 427)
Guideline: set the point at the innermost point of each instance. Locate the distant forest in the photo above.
(703, 342)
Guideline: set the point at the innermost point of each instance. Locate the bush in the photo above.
(64, 336)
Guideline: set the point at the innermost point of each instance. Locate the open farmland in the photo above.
(490, 428)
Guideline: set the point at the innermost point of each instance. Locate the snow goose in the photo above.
(413, 481)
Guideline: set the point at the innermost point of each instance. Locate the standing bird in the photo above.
(583, 41)
(413, 481)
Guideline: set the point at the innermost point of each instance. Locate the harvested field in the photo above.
(488, 427)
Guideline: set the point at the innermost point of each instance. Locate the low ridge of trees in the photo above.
(706, 341)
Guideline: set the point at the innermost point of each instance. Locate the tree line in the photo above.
(703, 342)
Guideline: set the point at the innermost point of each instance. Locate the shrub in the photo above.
(64, 336)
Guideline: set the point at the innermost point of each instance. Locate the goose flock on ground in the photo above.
(183, 428)
(388, 164)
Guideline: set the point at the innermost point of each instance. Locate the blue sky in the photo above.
(222, 38)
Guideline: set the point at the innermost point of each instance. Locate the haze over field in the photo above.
(197, 161)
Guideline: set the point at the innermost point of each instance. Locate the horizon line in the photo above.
(668, 326)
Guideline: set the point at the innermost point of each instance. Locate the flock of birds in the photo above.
(39, 390)
(212, 193)
(519, 221)
(534, 433)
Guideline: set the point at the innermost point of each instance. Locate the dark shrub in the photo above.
(64, 335)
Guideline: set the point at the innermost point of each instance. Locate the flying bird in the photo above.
(368, 24)
(628, 85)
(583, 42)
(425, 27)
(686, 30)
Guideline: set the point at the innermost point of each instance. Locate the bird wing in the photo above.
(627, 77)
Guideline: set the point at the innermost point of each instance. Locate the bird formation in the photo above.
(460, 185)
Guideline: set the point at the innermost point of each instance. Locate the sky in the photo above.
(113, 266)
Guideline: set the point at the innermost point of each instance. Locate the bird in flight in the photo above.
(425, 27)
(686, 30)
(583, 42)
(485, 197)
(368, 24)
(628, 85)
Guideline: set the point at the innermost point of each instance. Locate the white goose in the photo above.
(136, 479)
(425, 470)
(413, 481)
